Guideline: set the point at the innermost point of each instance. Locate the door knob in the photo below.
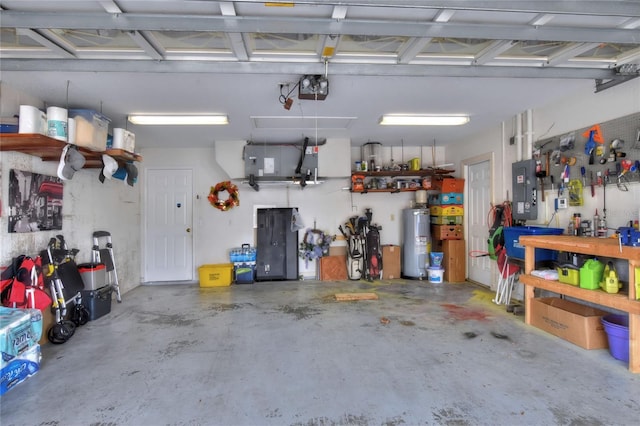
(188, 229)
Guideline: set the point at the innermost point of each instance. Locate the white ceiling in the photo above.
(488, 59)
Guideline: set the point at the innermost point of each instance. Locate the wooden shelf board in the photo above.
(618, 301)
(604, 247)
(49, 149)
(407, 173)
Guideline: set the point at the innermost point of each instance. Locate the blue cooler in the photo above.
(244, 272)
(244, 264)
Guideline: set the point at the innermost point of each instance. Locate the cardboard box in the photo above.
(333, 268)
(390, 262)
(576, 323)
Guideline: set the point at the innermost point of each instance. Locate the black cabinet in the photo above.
(277, 256)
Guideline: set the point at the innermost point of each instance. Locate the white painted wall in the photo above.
(88, 206)
(582, 110)
(325, 206)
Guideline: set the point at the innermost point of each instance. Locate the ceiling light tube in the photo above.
(423, 120)
(178, 120)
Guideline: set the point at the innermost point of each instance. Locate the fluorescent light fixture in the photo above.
(179, 120)
(423, 120)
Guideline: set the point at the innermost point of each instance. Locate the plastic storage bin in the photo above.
(516, 250)
(449, 185)
(446, 198)
(246, 253)
(94, 275)
(216, 275)
(91, 129)
(447, 220)
(446, 210)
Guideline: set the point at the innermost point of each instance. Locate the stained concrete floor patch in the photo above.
(282, 353)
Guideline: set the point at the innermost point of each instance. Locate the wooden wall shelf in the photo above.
(404, 173)
(49, 149)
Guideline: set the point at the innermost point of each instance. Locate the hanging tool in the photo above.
(541, 174)
(593, 190)
(583, 172)
(621, 169)
(590, 147)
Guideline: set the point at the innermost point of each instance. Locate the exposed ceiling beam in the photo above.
(628, 57)
(631, 24)
(542, 19)
(46, 42)
(296, 25)
(411, 48)
(569, 52)
(236, 40)
(493, 50)
(110, 6)
(339, 12)
(444, 15)
(286, 68)
(574, 7)
(144, 40)
(327, 45)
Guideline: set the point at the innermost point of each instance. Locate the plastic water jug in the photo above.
(610, 282)
(591, 274)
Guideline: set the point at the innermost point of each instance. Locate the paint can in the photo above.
(57, 123)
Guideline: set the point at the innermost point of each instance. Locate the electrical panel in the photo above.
(525, 190)
(270, 161)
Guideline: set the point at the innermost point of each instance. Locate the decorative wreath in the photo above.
(227, 204)
(315, 244)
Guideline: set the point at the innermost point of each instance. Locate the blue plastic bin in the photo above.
(516, 250)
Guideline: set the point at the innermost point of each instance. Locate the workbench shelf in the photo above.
(603, 247)
(50, 149)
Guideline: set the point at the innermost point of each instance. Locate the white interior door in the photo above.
(168, 254)
(478, 205)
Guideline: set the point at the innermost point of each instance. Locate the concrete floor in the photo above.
(286, 353)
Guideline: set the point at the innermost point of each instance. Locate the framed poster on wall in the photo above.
(35, 202)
